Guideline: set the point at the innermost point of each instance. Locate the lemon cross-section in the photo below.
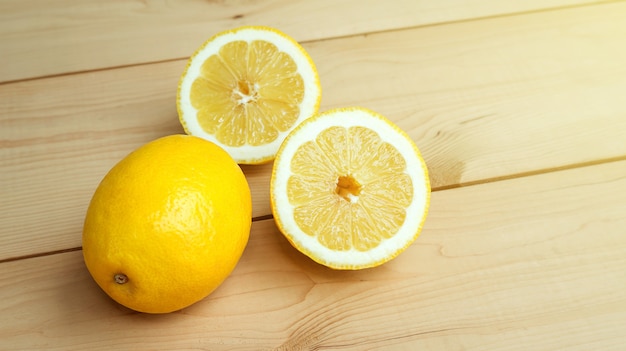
(345, 197)
(349, 189)
(247, 93)
(245, 89)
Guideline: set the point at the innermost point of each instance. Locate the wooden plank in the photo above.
(494, 98)
(61, 36)
(481, 102)
(534, 263)
(58, 139)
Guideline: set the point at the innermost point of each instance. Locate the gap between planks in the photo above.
(78, 248)
(469, 20)
(441, 188)
(93, 70)
(330, 38)
(532, 173)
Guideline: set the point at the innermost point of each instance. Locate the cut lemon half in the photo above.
(349, 189)
(245, 89)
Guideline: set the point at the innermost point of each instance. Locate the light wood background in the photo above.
(519, 108)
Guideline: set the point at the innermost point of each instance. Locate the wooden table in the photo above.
(519, 108)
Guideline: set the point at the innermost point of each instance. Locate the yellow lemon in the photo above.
(349, 189)
(245, 89)
(167, 224)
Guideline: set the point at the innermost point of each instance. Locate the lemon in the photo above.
(167, 224)
(349, 189)
(245, 89)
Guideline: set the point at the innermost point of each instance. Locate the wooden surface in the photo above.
(518, 107)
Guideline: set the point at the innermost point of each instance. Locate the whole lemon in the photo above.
(167, 224)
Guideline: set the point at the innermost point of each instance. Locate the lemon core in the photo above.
(348, 188)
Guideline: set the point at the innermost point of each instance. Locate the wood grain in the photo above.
(533, 263)
(478, 103)
(517, 107)
(496, 97)
(74, 36)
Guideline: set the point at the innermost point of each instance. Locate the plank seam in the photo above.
(353, 35)
(40, 254)
(435, 189)
(72, 249)
(473, 19)
(531, 173)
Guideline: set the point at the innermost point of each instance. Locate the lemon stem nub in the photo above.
(348, 188)
(120, 278)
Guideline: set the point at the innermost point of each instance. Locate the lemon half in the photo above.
(349, 189)
(245, 89)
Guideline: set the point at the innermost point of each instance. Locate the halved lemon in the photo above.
(349, 189)
(245, 89)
